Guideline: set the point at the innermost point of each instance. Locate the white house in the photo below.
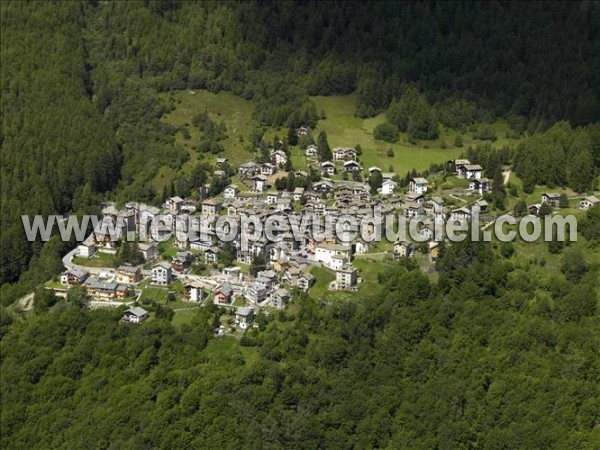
(162, 274)
(311, 150)
(244, 316)
(418, 185)
(193, 291)
(351, 166)
(473, 171)
(551, 198)
(460, 214)
(74, 276)
(481, 185)
(325, 254)
(388, 187)
(328, 168)
(344, 154)
(589, 202)
(345, 277)
(86, 249)
(403, 249)
(267, 169)
(135, 315)
(278, 157)
(231, 191)
(305, 281)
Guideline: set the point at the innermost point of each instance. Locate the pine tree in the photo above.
(323, 147)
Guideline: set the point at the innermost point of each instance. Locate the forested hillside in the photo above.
(80, 82)
(501, 353)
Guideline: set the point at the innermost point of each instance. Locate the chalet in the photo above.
(74, 276)
(534, 209)
(298, 193)
(551, 198)
(174, 204)
(129, 274)
(181, 261)
(327, 168)
(412, 209)
(344, 154)
(250, 168)
(260, 183)
(212, 206)
(231, 191)
(105, 290)
(388, 187)
(272, 198)
(305, 281)
(280, 298)
(459, 167)
(361, 247)
(589, 202)
(223, 293)
(460, 214)
(374, 169)
(418, 185)
(481, 185)
(302, 131)
(267, 169)
(278, 157)
(351, 166)
(162, 274)
(311, 150)
(135, 315)
(211, 255)
(482, 205)
(403, 249)
(193, 291)
(147, 250)
(345, 277)
(472, 171)
(86, 249)
(244, 317)
(322, 186)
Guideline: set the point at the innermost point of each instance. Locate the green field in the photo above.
(233, 110)
(343, 128)
(100, 259)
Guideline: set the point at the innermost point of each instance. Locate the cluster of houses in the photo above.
(288, 261)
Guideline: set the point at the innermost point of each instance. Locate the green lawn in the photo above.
(342, 126)
(322, 279)
(233, 110)
(223, 348)
(100, 259)
(154, 294)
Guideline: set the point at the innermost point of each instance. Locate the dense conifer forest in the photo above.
(498, 353)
